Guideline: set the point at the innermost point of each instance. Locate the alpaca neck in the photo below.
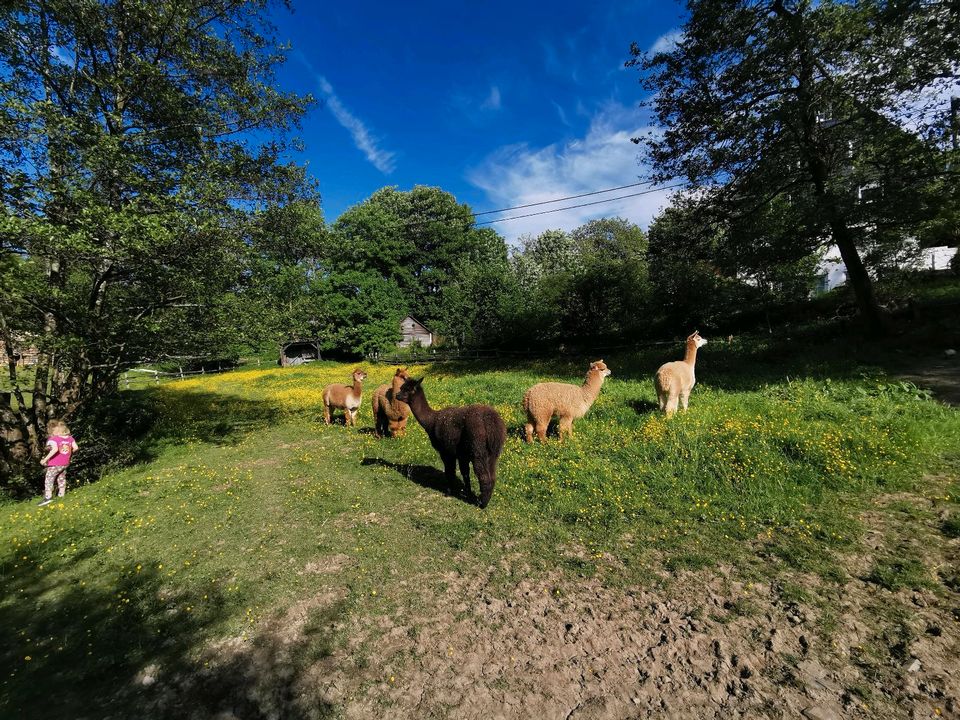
(397, 383)
(591, 387)
(422, 411)
(690, 358)
(357, 388)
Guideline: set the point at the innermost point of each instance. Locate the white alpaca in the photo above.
(674, 380)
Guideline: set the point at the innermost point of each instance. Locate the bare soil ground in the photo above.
(705, 644)
(942, 377)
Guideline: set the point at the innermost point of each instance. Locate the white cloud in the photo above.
(561, 113)
(493, 100)
(667, 41)
(383, 160)
(519, 174)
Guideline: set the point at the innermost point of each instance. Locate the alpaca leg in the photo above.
(662, 401)
(565, 427)
(450, 473)
(465, 471)
(528, 432)
(353, 416)
(326, 414)
(671, 407)
(486, 477)
(684, 398)
(541, 428)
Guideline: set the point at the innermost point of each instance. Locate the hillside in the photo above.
(783, 545)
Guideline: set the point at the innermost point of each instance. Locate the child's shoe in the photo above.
(45, 501)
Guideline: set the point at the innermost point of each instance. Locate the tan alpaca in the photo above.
(389, 414)
(674, 380)
(567, 402)
(345, 398)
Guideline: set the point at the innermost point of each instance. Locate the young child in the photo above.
(60, 448)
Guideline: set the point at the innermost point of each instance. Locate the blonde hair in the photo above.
(57, 427)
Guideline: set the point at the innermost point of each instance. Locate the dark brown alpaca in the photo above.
(473, 433)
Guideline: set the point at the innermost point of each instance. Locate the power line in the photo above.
(568, 197)
(580, 205)
(422, 221)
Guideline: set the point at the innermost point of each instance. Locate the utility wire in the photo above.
(569, 197)
(423, 221)
(580, 205)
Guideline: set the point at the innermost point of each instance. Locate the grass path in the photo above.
(245, 516)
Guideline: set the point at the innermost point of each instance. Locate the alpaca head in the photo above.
(402, 373)
(696, 339)
(359, 375)
(409, 388)
(599, 367)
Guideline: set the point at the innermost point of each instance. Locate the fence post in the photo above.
(201, 369)
(126, 379)
(258, 361)
(156, 378)
(181, 371)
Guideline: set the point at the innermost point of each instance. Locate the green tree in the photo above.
(586, 284)
(137, 140)
(427, 243)
(764, 99)
(612, 287)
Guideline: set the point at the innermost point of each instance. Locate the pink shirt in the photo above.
(64, 445)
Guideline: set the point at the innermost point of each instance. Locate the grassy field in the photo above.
(240, 502)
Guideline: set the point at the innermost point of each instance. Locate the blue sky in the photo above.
(499, 103)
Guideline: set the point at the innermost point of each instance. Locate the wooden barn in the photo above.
(24, 354)
(414, 331)
(297, 352)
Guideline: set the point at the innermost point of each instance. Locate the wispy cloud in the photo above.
(604, 157)
(363, 139)
(493, 100)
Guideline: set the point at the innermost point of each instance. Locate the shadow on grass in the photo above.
(643, 407)
(425, 476)
(131, 650)
(134, 426)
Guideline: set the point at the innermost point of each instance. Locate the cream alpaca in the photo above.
(674, 380)
(345, 398)
(389, 414)
(567, 402)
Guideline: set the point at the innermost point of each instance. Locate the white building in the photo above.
(833, 273)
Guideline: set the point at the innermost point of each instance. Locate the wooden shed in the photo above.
(24, 353)
(414, 331)
(297, 352)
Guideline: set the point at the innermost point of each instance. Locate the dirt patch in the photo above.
(709, 646)
(706, 645)
(256, 676)
(327, 565)
(941, 377)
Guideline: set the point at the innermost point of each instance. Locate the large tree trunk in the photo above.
(815, 156)
(859, 278)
